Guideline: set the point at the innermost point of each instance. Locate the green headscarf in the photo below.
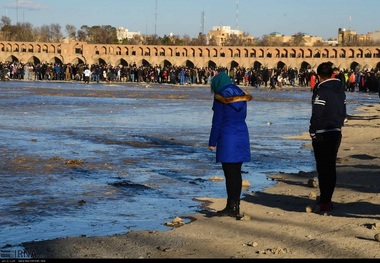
(220, 81)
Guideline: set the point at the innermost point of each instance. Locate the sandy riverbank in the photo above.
(276, 222)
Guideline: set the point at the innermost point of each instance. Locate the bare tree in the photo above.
(201, 40)
(212, 42)
(103, 35)
(6, 28)
(135, 40)
(45, 34)
(71, 31)
(175, 40)
(56, 33)
(298, 40)
(268, 41)
(24, 32)
(186, 40)
(232, 40)
(5, 21)
(83, 33)
(151, 40)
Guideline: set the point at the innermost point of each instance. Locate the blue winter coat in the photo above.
(229, 131)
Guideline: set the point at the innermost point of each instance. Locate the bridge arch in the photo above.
(305, 65)
(34, 60)
(122, 62)
(77, 60)
(280, 65)
(55, 60)
(257, 65)
(355, 66)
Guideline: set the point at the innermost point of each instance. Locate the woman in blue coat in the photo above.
(230, 137)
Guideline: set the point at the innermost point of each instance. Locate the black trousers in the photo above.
(326, 147)
(232, 173)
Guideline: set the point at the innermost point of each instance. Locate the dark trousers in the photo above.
(232, 173)
(326, 147)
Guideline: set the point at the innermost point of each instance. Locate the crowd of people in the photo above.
(363, 80)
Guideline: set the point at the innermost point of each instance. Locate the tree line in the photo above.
(107, 34)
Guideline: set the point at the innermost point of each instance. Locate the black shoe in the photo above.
(232, 209)
(325, 207)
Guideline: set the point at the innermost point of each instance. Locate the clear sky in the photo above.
(257, 17)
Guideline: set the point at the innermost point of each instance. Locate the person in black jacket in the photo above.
(326, 122)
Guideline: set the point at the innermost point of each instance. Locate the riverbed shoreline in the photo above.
(278, 222)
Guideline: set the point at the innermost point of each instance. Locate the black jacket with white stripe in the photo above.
(328, 107)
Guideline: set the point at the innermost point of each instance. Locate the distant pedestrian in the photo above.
(339, 75)
(87, 75)
(313, 80)
(351, 81)
(182, 76)
(273, 82)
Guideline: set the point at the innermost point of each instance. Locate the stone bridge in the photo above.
(75, 52)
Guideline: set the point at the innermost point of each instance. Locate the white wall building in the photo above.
(122, 33)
